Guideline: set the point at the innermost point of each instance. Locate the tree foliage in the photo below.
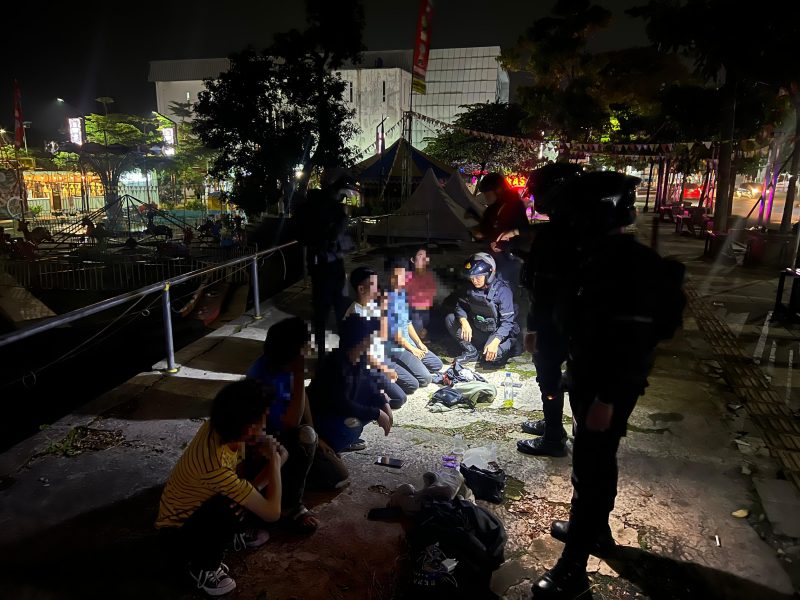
(563, 99)
(282, 107)
(476, 153)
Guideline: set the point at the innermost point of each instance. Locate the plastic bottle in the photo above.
(459, 447)
(508, 389)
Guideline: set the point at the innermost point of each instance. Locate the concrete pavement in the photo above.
(79, 498)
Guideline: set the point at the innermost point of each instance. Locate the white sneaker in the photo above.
(253, 538)
(214, 583)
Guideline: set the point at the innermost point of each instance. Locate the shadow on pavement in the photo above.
(661, 578)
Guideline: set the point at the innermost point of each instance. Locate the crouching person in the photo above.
(344, 396)
(485, 316)
(209, 502)
(282, 368)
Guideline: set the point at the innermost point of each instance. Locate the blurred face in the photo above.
(398, 278)
(369, 289)
(478, 280)
(421, 260)
(257, 432)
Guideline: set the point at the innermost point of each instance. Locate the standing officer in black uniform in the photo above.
(321, 224)
(628, 300)
(485, 315)
(548, 270)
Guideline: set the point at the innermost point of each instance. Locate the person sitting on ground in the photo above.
(282, 368)
(365, 284)
(485, 315)
(421, 291)
(201, 509)
(343, 394)
(416, 363)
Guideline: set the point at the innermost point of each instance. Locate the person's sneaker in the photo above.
(565, 581)
(250, 539)
(542, 447)
(214, 583)
(359, 444)
(604, 545)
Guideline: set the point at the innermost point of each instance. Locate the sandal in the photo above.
(304, 521)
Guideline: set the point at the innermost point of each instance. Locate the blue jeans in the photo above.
(412, 372)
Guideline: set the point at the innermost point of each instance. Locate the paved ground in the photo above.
(79, 498)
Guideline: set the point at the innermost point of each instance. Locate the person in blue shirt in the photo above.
(282, 368)
(409, 356)
(485, 315)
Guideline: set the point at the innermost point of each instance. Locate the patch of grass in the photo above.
(81, 439)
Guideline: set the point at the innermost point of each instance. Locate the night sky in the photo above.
(76, 52)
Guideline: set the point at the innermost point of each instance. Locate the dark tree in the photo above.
(282, 107)
(473, 152)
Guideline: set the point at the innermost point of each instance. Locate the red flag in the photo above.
(422, 47)
(19, 128)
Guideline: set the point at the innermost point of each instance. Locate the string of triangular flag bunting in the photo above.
(641, 150)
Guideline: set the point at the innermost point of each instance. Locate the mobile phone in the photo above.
(386, 461)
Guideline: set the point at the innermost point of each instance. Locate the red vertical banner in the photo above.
(422, 47)
(19, 127)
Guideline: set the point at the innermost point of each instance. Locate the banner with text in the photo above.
(422, 47)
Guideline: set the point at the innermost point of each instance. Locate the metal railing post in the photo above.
(256, 295)
(167, 310)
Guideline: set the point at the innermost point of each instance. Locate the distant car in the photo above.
(691, 191)
(748, 189)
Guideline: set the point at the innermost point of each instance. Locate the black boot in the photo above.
(603, 546)
(469, 354)
(565, 581)
(542, 447)
(537, 428)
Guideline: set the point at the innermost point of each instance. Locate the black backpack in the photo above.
(463, 531)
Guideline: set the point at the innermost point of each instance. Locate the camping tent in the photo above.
(428, 213)
(458, 191)
(389, 164)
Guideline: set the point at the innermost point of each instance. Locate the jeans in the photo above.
(397, 397)
(420, 318)
(414, 372)
(205, 535)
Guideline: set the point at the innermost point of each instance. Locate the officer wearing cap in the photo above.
(485, 316)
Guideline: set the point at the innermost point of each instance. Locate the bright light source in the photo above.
(75, 130)
(298, 174)
(60, 100)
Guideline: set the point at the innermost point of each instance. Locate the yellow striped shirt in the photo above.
(207, 468)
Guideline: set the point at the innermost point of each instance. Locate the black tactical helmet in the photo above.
(481, 264)
(597, 202)
(544, 182)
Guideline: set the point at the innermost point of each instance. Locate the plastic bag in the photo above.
(481, 456)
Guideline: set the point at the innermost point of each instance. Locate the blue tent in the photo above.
(389, 165)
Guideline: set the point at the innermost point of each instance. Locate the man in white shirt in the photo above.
(365, 285)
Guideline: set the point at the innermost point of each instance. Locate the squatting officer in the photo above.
(485, 316)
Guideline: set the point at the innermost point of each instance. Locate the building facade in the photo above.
(378, 89)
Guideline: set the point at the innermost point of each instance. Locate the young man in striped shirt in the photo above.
(209, 498)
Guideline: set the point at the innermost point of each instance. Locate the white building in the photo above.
(181, 80)
(377, 88)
